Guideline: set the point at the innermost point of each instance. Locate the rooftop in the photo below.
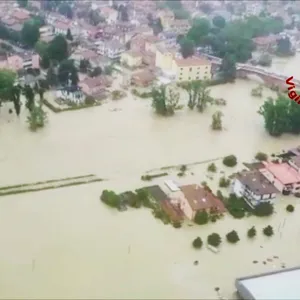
(256, 182)
(200, 198)
(192, 61)
(156, 192)
(283, 172)
(282, 284)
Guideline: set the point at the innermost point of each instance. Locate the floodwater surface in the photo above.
(65, 244)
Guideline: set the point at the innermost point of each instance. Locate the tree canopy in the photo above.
(30, 34)
(281, 115)
(58, 48)
(186, 47)
(66, 10)
(7, 80)
(67, 71)
(219, 21)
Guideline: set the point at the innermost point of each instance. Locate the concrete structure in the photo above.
(166, 17)
(132, 59)
(110, 14)
(21, 61)
(111, 49)
(282, 284)
(254, 187)
(191, 68)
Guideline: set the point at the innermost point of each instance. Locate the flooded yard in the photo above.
(66, 244)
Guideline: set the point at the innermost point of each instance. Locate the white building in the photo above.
(254, 187)
(71, 94)
(112, 49)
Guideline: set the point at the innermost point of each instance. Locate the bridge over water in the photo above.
(269, 77)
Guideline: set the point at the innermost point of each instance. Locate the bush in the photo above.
(220, 195)
(201, 217)
(236, 206)
(214, 239)
(261, 156)
(251, 233)
(290, 208)
(213, 218)
(197, 243)
(268, 231)
(110, 198)
(232, 237)
(212, 168)
(264, 209)
(224, 182)
(89, 100)
(176, 224)
(183, 168)
(230, 161)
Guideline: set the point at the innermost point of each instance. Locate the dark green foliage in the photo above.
(58, 48)
(290, 208)
(69, 35)
(268, 231)
(236, 206)
(261, 156)
(110, 198)
(197, 243)
(281, 115)
(224, 182)
(30, 33)
(264, 209)
(67, 71)
(219, 21)
(29, 95)
(214, 240)
(232, 237)
(251, 233)
(201, 217)
(230, 161)
(186, 47)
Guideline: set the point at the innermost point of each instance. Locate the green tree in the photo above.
(214, 240)
(212, 168)
(37, 117)
(69, 35)
(290, 208)
(201, 217)
(199, 30)
(181, 14)
(22, 3)
(197, 243)
(219, 21)
(58, 48)
(66, 10)
(123, 13)
(251, 233)
(268, 231)
(29, 95)
(45, 61)
(217, 121)
(7, 80)
(164, 103)
(41, 48)
(264, 209)
(281, 115)
(96, 72)
(84, 65)
(67, 71)
(261, 156)
(110, 198)
(30, 34)
(52, 78)
(15, 97)
(94, 18)
(232, 237)
(41, 92)
(228, 67)
(186, 47)
(284, 47)
(230, 160)
(174, 4)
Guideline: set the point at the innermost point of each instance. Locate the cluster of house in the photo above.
(260, 183)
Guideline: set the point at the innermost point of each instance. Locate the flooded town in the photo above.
(149, 149)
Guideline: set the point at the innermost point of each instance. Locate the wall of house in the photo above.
(84, 87)
(35, 61)
(188, 73)
(185, 206)
(15, 62)
(164, 61)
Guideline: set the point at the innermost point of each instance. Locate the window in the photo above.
(197, 73)
(197, 77)
(190, 69)
(180, 74)
(206, 67)
(180, 78)
(189, 78)
(181, 69)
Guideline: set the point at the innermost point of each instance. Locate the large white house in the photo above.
(253, 187)
(71, 94)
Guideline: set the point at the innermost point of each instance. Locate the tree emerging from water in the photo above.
(281, 115)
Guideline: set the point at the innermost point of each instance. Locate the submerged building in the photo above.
(282, 284)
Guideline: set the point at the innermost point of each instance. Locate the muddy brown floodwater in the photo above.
(65, 244)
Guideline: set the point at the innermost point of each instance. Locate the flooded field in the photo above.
(65, 244)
